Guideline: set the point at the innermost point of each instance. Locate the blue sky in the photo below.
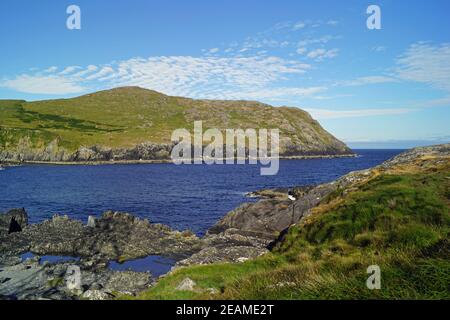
(371, 88)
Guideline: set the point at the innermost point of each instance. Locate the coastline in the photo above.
(159, 161)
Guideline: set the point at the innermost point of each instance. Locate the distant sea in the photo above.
(190, 197)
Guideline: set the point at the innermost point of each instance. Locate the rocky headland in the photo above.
(133, 124)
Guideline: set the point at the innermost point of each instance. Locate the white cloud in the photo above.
(299, 25)
(332, 22)
(56, 85)
(336, 114)
(69, 70)
(427, 64)
(101, 74)
(51, 69)
(321, 54)
(379, 49)
(442, 102)
(321, 40)
(178, 75)
(301, 50)
(197, 77)
(369, 80)
(89, 69)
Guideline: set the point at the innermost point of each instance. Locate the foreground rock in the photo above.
(13, 221)
(115, 236)
(30, 280)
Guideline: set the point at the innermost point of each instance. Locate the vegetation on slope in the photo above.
(125, 117)
(399, 221)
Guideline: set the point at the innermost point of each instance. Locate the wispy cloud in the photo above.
(379, 48)
(208, 77)
(426, 63)
(442, 102)
(319, 40)
(69, 69)
(332, 22)
(299, 25)
(52, 84)
(321, 54)
(101, 74)
(51, 69)
(421, 62)
(369, 80)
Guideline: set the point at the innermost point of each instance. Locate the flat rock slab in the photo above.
(116, 236)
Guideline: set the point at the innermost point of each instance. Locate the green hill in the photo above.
(112, 124)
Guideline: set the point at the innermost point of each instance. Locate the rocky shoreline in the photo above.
(114, 237)
(245, 233)
(154, 161)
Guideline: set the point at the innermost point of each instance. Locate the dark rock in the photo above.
(116, 236)
(14, 220)
(267, 218)
(14, 226)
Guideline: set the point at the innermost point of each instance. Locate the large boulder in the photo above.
(267, 218)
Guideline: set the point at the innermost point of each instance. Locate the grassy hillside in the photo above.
(399, 219)
(125, 117)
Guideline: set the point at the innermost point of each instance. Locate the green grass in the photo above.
(124, 117)
(399, 222)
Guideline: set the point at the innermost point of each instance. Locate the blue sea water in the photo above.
(191, 197)
(48, 258)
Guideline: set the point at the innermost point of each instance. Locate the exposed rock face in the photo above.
(144, 151)
(25, 152)
(54, 153)
(267, 218)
